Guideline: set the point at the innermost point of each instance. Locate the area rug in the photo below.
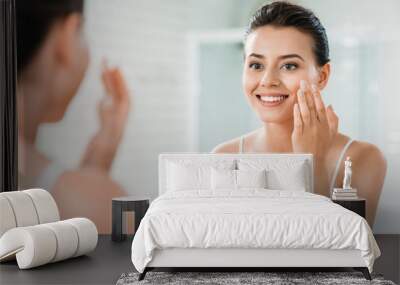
(273, 278)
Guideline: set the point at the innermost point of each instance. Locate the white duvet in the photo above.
(251, 218)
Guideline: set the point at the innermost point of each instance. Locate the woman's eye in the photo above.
(255, 65)
(290, 66)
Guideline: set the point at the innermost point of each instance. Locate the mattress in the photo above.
(250, 219)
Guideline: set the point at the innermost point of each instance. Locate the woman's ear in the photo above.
(324, 73)
(68, 33)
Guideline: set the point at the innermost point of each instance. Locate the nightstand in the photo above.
(357, 205)
(137, 204)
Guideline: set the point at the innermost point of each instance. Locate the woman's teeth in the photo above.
(272, 98)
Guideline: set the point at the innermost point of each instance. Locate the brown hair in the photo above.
(34, 20)
(285, 14)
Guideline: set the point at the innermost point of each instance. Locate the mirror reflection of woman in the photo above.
(52, 61)
(286, 68)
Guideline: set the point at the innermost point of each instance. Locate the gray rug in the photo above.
(229, 278)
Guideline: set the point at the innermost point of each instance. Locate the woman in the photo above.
(286, 68)
(52, 61)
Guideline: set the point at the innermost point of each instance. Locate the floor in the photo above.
(103, 266)
(111, 259)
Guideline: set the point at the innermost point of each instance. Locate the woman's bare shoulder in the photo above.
(232, 146)
(367, 153)
(358, 149)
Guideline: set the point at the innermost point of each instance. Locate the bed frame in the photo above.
(248, 259)
(261, 259)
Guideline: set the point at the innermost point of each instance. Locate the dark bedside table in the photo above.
(357, 205)
(137, 204)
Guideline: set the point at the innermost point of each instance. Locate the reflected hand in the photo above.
(113, 111)
(114, 107)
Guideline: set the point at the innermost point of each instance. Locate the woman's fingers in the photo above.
(303, 107)
(310, 101)
(333, 120)
(106, 77)
(319, 104)
(117, 98)
(298, 123)
(113, 82)
(122, 93)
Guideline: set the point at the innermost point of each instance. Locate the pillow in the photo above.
(294, 178)
(251, 178)
(223, 179)
(237, 179)
(282, 174)
(189, 173)
(183, 177)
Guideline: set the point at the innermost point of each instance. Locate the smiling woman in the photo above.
(285, 70)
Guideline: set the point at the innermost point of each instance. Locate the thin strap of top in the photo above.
(338, 165)
(241, 143)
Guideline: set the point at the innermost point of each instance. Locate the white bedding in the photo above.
(250, 218)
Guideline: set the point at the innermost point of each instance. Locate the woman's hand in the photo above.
(114, 107)
(314, 130)
(113, 112)
(314, 125)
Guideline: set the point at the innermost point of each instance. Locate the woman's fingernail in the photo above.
(303, 84)
(314, 88)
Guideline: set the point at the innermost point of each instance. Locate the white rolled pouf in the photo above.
(67, 240)
(40, 244)
(7, 218)
(30, 230)
(87, 234)
(32, 246)
(46, 207)
(23, 208)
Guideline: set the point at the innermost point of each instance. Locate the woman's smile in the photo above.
(271, 100)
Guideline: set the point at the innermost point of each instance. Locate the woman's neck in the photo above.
(31, 107)
(276, 137)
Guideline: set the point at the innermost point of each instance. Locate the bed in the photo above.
(246, 211)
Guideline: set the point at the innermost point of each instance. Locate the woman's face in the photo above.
(72, 63)
(78, 64)
(276, 60)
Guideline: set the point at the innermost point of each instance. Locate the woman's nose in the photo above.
(269, 78)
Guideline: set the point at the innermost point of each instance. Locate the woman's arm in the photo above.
(113, 111)
(231, 146)
(369, 171)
